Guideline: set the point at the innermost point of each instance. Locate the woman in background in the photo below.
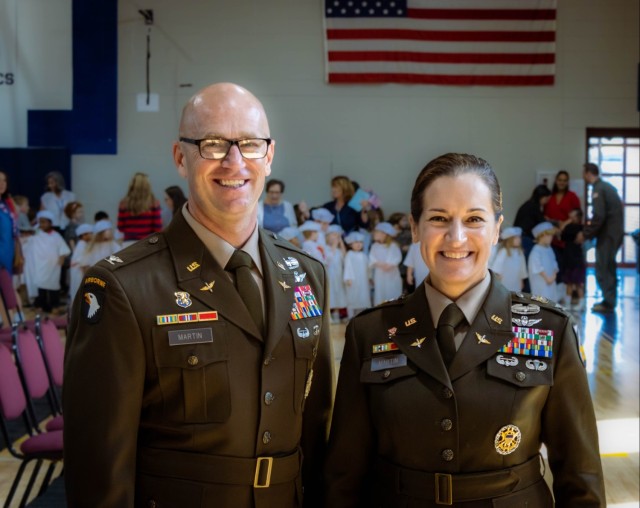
(139, 212)
(174, 198)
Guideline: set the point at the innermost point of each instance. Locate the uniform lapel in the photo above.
(492, 324)
(414, 325)
(202, 277)
(279, 287)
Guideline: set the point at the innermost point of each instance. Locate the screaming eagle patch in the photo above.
(93, 299)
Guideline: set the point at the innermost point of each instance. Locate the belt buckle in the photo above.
(446, 490)
(256, 478)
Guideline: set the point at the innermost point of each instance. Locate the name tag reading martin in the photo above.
(197, 336)
(388, 362)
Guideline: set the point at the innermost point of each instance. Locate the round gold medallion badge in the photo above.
(507, 439)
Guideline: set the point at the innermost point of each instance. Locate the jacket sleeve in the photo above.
(599, 213)
(102, 398)
(351, 439)
(569, 430)
(317, 411)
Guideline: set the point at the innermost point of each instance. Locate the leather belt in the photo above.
(446, 489)
(260, 472)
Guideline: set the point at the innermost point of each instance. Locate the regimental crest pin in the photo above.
(507, 439)
(392, 331)
(183, 299)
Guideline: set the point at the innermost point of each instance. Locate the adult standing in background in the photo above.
(56, 198)
(531, 213)
(556, 211)
(342, 190)
(174, 198)
(606, 225)
(275, 213)
(199, 369)
(139, 212)
(437, 404)
(11, 257)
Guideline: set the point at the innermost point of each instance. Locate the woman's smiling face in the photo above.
(457, 230)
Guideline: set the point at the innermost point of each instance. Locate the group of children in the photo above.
(46, 252)
(541, 268)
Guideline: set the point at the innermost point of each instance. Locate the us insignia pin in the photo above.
(481, 339)
(284, 285)
(497, 319)
(192, 266)
(410, 322)
(183, 299)
(507, 439)
(418, 342)
(208, 286)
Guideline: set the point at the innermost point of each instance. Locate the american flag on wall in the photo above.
(440, 42)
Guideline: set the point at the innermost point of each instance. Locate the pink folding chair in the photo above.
(33, 372)
(37, 447)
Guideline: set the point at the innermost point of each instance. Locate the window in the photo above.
(617, 154)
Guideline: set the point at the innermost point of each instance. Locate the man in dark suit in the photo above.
(180, 390)
(606, 225)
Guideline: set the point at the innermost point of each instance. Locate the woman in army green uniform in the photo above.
(445, 397)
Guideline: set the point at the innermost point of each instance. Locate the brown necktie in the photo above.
(240, 264)
(451, 317)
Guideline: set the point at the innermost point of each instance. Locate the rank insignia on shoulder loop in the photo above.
(208, 286)
(113, 260)
(507, 439)
(540, 299)
(384, 348)
(410, 322)
(525, 321)
(481, 339)
(418, 342)
(284, 285)
(520, 308)
(497, 319)
(183, 299)
(192, 266)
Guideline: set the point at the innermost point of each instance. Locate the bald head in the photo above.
(228, 101)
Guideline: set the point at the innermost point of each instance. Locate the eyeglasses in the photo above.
(218, 148)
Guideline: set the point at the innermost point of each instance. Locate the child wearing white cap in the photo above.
(44, 254)
(102, 245)
(310, 230)
(543, 266)
(417, 269)
(509, 264)
(356, 275)
(84, 232)
(324, 218)
(384, 259)
(334, 253)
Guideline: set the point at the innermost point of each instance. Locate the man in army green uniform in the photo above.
(606, 225)
(192, 380)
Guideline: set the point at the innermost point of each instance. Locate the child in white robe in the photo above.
(76, 271)
(417, 269)
(334, 253)
(509, 264)
(102, 245)
(385, 257)
(311, 231)
(356, 275)
(543, 266)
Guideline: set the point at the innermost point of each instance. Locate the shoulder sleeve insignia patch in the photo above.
(93, 299)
